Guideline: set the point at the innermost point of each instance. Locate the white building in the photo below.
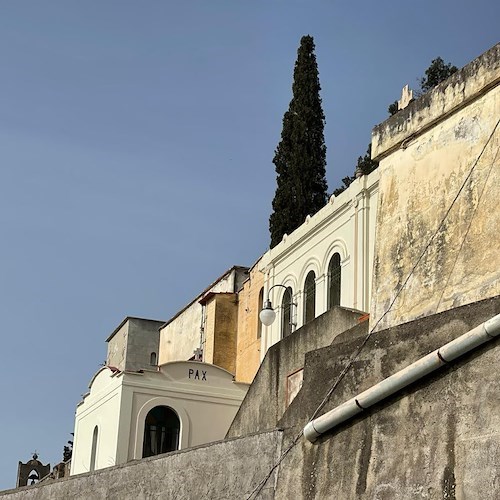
(326, 262)
(140, 409)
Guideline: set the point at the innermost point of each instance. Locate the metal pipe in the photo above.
(449, 352)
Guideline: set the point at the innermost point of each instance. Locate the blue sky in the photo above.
(136, 146)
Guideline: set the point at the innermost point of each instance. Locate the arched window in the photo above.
(334, 281)
(261, 305)
(34, 477)
(286, 313)
(93, 452)
(152, 359)
(161, 431)
(310, 297)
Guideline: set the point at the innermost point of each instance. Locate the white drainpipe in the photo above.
(445, 354)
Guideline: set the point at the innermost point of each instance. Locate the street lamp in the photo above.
(268, 314)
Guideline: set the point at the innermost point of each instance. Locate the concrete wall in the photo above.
(426, 152)
(346, 225)
(266, 399)
(439, 438)
(143, 339)
(219, 471)
(131, 344)
(249, 327)
(117, 346)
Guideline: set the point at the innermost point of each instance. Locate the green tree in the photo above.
(365, 163)
(437, 72)
(68, 450)
(364, 166)
(300, 157)
(393, 108)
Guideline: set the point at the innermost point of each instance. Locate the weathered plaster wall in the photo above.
(117, 347)
(181, 335)
(426, 152)
(143, 339)
(209, 327)
(249, 327)
(219, 471)
(226, 331)
(265, 401)
(439, 438)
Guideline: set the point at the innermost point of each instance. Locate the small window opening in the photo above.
(93, 452)
(310, 297)
(334, 281)
(286, 313)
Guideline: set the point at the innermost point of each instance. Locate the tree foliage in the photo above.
(300, 157)
(68, 451)
(437, 72)
(364, 166)
(393, 108)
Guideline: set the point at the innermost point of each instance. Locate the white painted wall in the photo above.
(345, 225)
(119, 403)
(101, 408)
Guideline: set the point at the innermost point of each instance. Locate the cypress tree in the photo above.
(300, 158)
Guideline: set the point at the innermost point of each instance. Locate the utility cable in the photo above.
(356, 354)
(467, 231)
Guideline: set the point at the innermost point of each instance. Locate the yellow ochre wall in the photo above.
(426, 152)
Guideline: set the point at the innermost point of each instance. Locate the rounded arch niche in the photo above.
(161, 431)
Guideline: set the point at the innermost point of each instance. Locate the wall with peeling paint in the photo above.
(426, 152)
(184, 333)
(249, 326)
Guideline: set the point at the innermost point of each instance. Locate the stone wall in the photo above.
(426, 153)
(219, 471)
(438, 438)
(266, 399)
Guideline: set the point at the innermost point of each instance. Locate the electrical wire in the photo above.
(468, 228)
(356, 354)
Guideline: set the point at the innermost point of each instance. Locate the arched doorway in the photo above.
(161, 431)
